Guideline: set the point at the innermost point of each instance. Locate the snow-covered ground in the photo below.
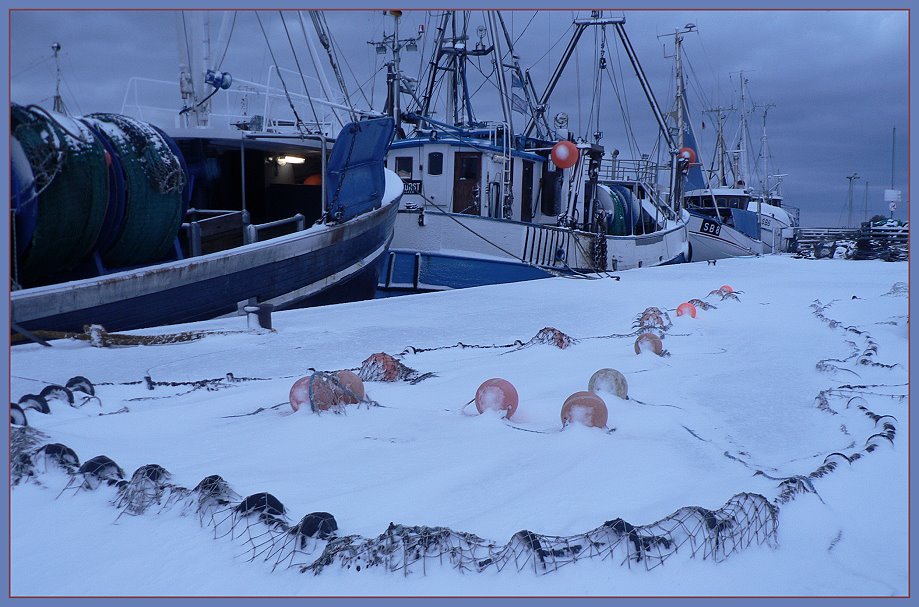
(749, 404)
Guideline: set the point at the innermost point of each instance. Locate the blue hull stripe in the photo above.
(413, 272)
(216, 296)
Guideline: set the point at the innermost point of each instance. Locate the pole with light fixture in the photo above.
(851, 179)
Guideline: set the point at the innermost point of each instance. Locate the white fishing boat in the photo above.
(725, 216)
(488, 202)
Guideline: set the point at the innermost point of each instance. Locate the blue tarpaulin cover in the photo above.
(355, 172)
(746, 222)
(695, 180)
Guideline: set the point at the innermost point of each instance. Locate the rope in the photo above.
(293, 51)
(290, 102)
(99, 337)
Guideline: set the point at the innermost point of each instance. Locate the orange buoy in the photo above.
(585, 408)
(564, 154)
(687, 154)
(314, 179)
(322, 391)
(609, 380)
(686, 308)
(352, 387)
(649, 342)
(497, 394)
(726, 289)
(300, 393)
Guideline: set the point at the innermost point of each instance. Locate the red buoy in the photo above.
(726, 289)
(687, 154)
(300, 393)
(585, 408)
(322, 391)
(686, 308)
(353, 387)
(564, 154)
(497, 394)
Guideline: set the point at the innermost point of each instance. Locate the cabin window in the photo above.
(435, 163)
(404, 167)
(469, 167)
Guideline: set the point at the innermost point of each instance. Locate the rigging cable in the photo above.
(300, 71)
(622, 99)
(323, 82)
(229, 37)
(525, 28)
(300, 122)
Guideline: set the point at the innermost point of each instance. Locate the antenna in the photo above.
(58, 100)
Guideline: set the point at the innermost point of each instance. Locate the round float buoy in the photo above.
(688, 154)
(314, 179)
(609, 380)
(564, 154)
(322, 391)
(585, 408)
(300, 393)
(497, 394)
(649, 342)
(686, 308)
(726, 289)
(352, 386)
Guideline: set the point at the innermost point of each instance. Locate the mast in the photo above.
(194, 56)
(433, 65)
(396, 79)
(720, 145)
(741, 141)
(680, 118)
(676, 180)
(503, 92)
(764, 151)
(893, 152)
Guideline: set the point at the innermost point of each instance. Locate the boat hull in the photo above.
(433, 253)
(287, 271)
(711, 240)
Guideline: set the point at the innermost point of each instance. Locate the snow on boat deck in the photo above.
(753, 391)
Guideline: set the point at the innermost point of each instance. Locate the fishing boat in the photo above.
(727, 217)
(778, 221)
(124, 223)
(488, 202)
(716, 215)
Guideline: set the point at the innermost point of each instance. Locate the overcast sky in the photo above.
(836, 81)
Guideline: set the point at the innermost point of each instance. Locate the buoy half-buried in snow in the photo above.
(352, 387)
(585, 408)
(497, 394)
(649, 342)
(686, 308)
(609, 380)
(300, 393)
